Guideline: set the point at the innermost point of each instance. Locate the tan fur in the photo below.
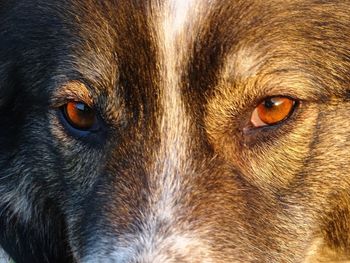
(176, 171)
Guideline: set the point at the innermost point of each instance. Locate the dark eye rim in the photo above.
(70, 122)
(76, 131)
(253, 137)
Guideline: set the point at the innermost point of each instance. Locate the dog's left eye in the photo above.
(272, 110)
(79, 115)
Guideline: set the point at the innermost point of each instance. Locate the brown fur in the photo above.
(177, 173)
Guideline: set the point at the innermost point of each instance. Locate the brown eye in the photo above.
(272, 111)
(79, 115)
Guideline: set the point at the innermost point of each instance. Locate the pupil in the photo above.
(84, 113)
(269, 104)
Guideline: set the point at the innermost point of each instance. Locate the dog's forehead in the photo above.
(114, 42)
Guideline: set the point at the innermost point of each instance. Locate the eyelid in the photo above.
(72, 91)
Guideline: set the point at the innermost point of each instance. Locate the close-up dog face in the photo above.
(175, 131)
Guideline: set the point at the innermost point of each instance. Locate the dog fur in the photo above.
(175, 174)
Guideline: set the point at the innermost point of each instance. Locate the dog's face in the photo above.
(175, 131)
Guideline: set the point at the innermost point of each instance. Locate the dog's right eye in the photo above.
(79, 115)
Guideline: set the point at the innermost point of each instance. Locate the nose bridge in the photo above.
(174, 153)
(161, 237)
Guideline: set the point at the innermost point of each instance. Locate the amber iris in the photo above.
(79, 115)
(272, 111)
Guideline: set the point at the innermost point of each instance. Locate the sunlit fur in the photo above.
(176, 173)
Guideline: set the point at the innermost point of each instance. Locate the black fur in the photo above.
(253, 195)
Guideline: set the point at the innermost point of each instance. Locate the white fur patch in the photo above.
(243, 64)
(170, 249)
(4, 258)
(174, 123)
(18, 204)
(177, 15)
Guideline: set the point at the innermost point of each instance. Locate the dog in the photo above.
(175, 131)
